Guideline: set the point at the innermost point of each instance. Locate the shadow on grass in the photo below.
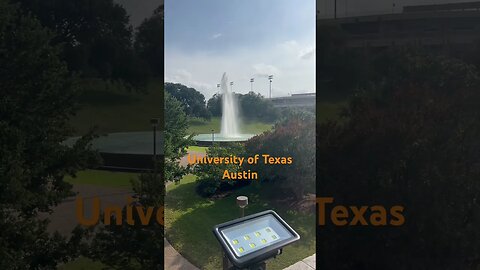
(106, 98)
(190, 232)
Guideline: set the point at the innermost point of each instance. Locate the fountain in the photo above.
(229, 130)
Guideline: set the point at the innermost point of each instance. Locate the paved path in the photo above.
(63, 218)
(184, 159)
(175, 261)
(305, 264)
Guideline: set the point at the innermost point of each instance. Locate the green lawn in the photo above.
(103, 178)
(198, 126)
(117, 110)
(198, 149)
(189, 220)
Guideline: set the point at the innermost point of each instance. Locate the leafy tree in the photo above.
(149, 41)
(411, 139)
(255, 107)
(135, 246)
(209, 176)
(176, 140)
(192, 100)
(292, 137)
(95, 35)
(214, 105)
(37, 99)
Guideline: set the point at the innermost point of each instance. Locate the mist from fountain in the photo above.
(229, 124)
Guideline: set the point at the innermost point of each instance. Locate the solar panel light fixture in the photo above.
(250, 240)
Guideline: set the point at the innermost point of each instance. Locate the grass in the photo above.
(198, 149)
(117, 110)
(198, 126)
(102, 178)
(189, 220)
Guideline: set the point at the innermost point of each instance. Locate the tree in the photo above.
(95, 35)
(176, 138)
(136, 246)
(410, 139)
(37, 98)
(292, 137)
(193, 101)
(255, 107)
(214, 105)
(149, 41)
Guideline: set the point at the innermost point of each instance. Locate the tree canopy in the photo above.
(409, 139)
(193, 101)
(37, 98)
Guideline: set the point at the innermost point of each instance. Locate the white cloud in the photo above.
(215, 36)
(307, 53)
(291, 62)
(263, 70)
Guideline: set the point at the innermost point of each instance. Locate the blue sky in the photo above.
(245, 38)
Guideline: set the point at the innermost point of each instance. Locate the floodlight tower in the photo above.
(251, 84)
(270, 78)
(231, 87)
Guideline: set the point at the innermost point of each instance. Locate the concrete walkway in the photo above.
(305, 264)
(173, 259)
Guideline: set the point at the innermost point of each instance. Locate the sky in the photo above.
(370, 7)
(245, 38)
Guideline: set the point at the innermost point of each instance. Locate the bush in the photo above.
(412, 140)
(209, 181)
(294, 137)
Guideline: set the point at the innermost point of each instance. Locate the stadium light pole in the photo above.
(218, 88)
(270, 78)
(231, 86)
(251, 84)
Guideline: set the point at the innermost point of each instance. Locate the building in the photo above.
(440, 25)
(306, 100)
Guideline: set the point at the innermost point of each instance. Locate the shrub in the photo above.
(209, 181)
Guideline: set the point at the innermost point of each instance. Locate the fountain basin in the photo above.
(206, 138)
(126, 151)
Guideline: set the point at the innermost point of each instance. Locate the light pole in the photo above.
(231, 87)
(154, 122)
(218, 88)
(270, 78)
(251, 84)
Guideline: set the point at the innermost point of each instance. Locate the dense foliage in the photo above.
(37, 98)
(95, 36)
(193, 101)
(294, 137)
(252, 106)
(135, 246)
(209, 176)
(149, 42)
(176, 138)
(410, 139)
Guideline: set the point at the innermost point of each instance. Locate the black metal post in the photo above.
(335, 10)
(154, 143)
